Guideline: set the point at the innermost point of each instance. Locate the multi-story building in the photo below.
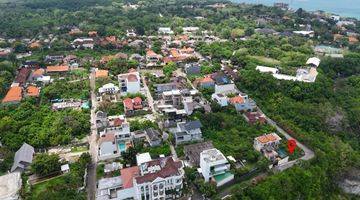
(215, 167)
(129, 82)
(157, 179)
(188, 132)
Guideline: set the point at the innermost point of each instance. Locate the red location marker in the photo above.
(291, 146)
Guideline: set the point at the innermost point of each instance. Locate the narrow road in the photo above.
(91, 178)
(309, 154)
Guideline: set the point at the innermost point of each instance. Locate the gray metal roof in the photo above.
(23, 155)
(190, 125)
(153, 134)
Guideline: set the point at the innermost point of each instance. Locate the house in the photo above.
(307, 75)
(85, 43)
(165, 31)
(220, 99)
(153, 137)
(57, 69)
(266, 144)
(313, 62)
(215, 167)
(14, 95)
(23, 158)
(101, 119)
(142, 158)
(271, 70)
(305, 33)
(255, 117)
(22, 75)
(192, 69)
(129, 82)
(10, 185)
(192, 152)
(152, 57)
(108, 147)
(53, 59)
(131, 105)
(36, 74)
(32, 91)
(266, 31)
(188, 132)
(160, 88)
(101, 73)
(161, 178)
(65, 168)
(92, 33)
(190, 30)
(223, 84)
(206, 82)
(109, 88)
(242, 103)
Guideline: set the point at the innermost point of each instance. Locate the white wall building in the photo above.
(109, 88)
(215, 167)
(221, 99)
(129, 82)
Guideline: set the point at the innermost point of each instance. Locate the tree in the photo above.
(169, 68)
(45, 164)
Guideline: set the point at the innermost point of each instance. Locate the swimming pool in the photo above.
(122, 146)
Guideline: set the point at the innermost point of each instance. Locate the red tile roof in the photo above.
(13, 95)
(267, 138)
(59, 68)
(127, 176)
(32, 91)
(38, 72)
(128, 104)
(206, 79)
(169, 167)
(101, 73)
(237, 99)
(22, 75)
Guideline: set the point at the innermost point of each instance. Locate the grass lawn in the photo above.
(266, 60)
(79, 149)
(43, 186)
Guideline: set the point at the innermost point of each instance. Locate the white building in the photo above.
(10, 185)
(264, 69)
(109, 88)
(156, 179)
(225, 88)
(165, 31)
(108, 147)
(86, 43)
(215, 167)
(190, 30)
(221, 99)
(142, 158)
(315, 62)
(268, 140)
(129, 82)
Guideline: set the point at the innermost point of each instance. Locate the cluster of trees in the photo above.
(39, 126)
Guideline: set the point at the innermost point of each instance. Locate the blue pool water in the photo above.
(122, 147)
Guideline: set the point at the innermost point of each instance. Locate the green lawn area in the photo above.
(266, 60)
(43, 187)
(79, 149)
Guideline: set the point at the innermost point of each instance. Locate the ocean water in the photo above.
(347, 8)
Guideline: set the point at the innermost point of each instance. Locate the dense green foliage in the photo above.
(39, 126)
(45, 164)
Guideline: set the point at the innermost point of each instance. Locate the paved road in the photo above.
(309, 154)
(91, 178)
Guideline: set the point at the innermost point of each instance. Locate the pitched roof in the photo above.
(128, 103)
(101, 73)
(38, 72)
(24, 154)
(22, 75)
(272, 137)
(193, 151)
(191, 125)
(32, 91)
(60, 68)
(13, 95)
(169, 167)
(127, 176)
(152, 134)
(206, 79)
(236, 100)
